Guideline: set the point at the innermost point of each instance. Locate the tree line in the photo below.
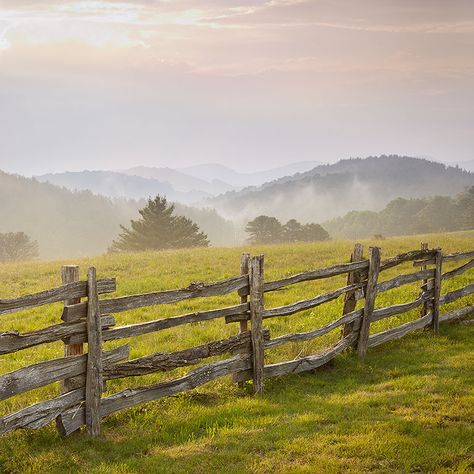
(269, 230)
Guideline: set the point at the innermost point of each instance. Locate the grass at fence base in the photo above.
(408, 406)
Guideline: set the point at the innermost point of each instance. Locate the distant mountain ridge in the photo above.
(328, 191)
(79, 223)
(189, 185)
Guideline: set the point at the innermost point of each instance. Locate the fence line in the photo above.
(83, 376)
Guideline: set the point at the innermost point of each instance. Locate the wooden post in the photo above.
(256, 279)
(370, 295)
(94, 357)
(350, 299)
(70, 274)
(424, 283)
(244, 270)
(437, 290)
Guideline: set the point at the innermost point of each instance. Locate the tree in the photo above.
(159, 229)
(313, 232)
(292, 231)
(264, 230)
(17, 246)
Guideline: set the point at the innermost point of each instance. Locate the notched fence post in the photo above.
(350, 299)
(244, 270)
(436, 290)
(256, 280)
(94, 357)
(70, 274)
(424, 285)
(370, 295)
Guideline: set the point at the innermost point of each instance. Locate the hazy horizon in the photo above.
(250, 84)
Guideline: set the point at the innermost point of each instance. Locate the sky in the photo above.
(251, 84)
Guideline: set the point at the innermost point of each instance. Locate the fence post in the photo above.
(244, 270)
(94, 357)
(256, 279)
(70, 274)
(437, 290)
(424, 285)
(350, 299)
(370, 295)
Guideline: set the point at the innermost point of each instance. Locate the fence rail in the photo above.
(84, 375)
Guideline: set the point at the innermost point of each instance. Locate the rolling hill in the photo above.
(328, 191)
(78, 223)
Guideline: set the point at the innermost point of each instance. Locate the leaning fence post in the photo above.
(94, 357)
(350, 299)
(424, 285)
(70, 274)
(244, 292)
(436, 290)
(256, 279)
(370, 294)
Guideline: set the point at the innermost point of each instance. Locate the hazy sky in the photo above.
(247, 83)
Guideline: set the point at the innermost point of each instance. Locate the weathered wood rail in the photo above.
(83, 376)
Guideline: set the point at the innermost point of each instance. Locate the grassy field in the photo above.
(408, 407)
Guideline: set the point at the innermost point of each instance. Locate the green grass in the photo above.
(409, 406)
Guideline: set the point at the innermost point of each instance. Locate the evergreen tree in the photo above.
(264, 230)
(17, 246)
(159, 229)
(293, 231)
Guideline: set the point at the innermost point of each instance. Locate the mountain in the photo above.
(180, 181)
(214, 171)
(328, 191)
(466, 165)
(120, 185)
(79, 223)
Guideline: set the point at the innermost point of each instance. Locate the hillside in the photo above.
(329, 191)
(408, 216)
(406, 408)
(73, 223)
(130, 185)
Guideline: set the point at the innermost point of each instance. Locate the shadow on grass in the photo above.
(407, 407)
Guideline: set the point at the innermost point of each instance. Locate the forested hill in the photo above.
(408, 216)
(329, 191)
(67, 223)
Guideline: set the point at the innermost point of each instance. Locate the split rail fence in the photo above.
(83, 375)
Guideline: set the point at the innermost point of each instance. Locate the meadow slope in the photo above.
(408, 407)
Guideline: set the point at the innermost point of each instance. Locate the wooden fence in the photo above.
(83, 376)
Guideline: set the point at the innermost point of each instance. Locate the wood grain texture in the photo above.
(74, 418)
(382, 313)
(458, 271)
(406, 257)
(165, 361)
(46, 372)
(308, 335)
(424, 307)
(456, 314)
(370, 295)
(450, 257)
(316, 275)
(309, 303)
(454, 295)
(303, 363)
(404, 279)
(94, 381)
(70, 274)
(127, 303)
(256, 280)
(131, 330)
(73, 290)
(13, 341)
(40, 414)
(436, 291)
(399, 331)
(351, 297)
